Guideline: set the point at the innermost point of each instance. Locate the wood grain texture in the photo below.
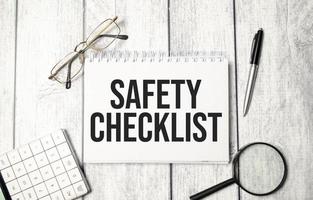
(47, 31)
(280, 112)
(7, 74)
(281, 109)
(146, 24)
(207, 26)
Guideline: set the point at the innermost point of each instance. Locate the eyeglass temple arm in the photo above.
(68, 77)
(121, 37)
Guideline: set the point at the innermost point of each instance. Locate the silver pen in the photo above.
(254, 63)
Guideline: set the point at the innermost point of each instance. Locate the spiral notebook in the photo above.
(149, 107)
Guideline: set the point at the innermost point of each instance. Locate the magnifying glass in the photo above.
(263, 171)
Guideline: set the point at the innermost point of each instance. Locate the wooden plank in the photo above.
(146, 24)
(7, 74)
(205, 26)
(281, 109)
(47, 31)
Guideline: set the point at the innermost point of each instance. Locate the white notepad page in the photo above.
(124, 91)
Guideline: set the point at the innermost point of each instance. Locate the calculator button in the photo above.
(41, 159)
(13, 187)
(41, 190)
(58, 137)
(46, 172)
(69, 193)
(80, 188)
(19, 169)
(36, 147)
(64, 150)
(58, 167)
(63, 180)
(8, 174)
(24, 182)
(14, 157)
(4, 161)
(18, 196)
(69, 162)
(53, 155)
(30, 164)
(52, 185)
(30, 194)
(25, 152)
(35, 177)
(47, 142)
(74, 175)
(57, 196)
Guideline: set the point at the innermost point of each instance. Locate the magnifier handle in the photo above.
(213, 189)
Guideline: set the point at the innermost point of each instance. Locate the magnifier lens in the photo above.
(261, 169)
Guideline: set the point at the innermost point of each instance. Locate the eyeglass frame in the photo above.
(80, 53)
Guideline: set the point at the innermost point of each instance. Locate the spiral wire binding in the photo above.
(157, 56)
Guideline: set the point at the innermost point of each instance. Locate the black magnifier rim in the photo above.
(236, 168)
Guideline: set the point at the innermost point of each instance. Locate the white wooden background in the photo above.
(34, 34)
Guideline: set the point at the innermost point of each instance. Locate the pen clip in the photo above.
(252, 48)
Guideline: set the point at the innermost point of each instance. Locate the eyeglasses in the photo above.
(68, 68)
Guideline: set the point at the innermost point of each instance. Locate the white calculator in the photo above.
(45, 169)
